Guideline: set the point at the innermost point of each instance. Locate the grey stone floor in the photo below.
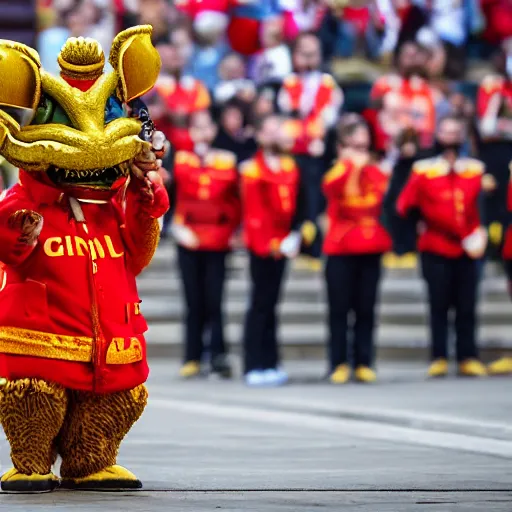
(402, 445)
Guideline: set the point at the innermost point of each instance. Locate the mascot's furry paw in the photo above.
(14, 481)
(113, 478)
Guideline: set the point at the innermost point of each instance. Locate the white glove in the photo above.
(475, 243)
(184, 236)
(290, 245)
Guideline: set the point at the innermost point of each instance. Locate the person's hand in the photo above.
(184, 236)
(489, 183)
(28, 223)
(290, 245)
(476, 243)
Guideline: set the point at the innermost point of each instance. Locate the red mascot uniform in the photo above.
(74, 233)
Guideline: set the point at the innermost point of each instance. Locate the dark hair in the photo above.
(347, 125)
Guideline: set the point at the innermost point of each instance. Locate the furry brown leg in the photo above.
(94, 428)
(32, 412)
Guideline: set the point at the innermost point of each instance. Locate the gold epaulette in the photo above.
(290, 80)
(491, 82)
(186, 158)
(336, 172)
(431, 167)
(288, 164)
(250, 169)
(470, 167)
(221, 160)
(328, 81)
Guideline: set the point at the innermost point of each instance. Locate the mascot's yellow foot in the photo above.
(365, 374)
(472, 368)
(502, 366)
(438, 368)
(113, 478)
(190, 369)
(14, 481)
(340, 375)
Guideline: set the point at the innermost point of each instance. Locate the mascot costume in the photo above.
(75, 231)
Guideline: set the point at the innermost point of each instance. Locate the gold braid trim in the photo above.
(32, 412)
(94, 428)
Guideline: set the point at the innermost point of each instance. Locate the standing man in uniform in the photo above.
(446, 190)
(272, 234)
(313, 100)
(206, 217)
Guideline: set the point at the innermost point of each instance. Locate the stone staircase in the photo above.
(402, 311)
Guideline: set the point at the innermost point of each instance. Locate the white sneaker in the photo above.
(275, 377)
(255, 378)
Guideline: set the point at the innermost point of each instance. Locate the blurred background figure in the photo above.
(446, 191)
(207, 213)
(354, 245)
(313, 100)
(270, 190)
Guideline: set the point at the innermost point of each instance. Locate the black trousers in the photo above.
(202, 274)
(452, 286)
(260, 331)
(311, 172)
(352, 286)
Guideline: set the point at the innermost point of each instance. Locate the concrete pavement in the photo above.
(403, 445)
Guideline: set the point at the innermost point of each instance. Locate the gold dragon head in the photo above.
(74, 128)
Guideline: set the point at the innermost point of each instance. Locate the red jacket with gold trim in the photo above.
(69, 308)
(207, 197)
(354, 205)
(448, 201)
(269, 202)
(507, 245)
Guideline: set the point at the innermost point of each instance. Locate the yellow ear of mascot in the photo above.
(77, 229)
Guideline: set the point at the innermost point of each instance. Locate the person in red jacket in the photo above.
(354, 244)
(206, 217)
(270, 192)
(504, 365)
(446, 191)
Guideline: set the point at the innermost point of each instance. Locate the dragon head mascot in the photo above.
(75, 231)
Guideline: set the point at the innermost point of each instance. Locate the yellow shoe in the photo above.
(111, 478)
(438, 368)
(14, 481)
(390, 260)
(365, 374)
(407, 261)
(340, 375)
(502, 366)
(308, 263)
(472, 368)
(190, 369)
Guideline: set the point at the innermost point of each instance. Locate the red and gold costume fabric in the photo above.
(448, 201)
(354, 206)
(269, 201)
(207, 197)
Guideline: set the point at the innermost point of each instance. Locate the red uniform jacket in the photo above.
(406, 103)
(207, 197)
(507, 246)
(185, 97)
(317, 108)
(269, 201)
(496, 86)
(69, 309)
(353, 215)
(447, 200)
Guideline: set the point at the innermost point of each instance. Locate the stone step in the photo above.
(157, 310)
(393, 290)
(303, 341)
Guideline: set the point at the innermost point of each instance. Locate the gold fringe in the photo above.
(31, 413)
(94, 428)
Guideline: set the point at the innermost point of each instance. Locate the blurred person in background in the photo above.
(273, 62)
(233, 82)
(234, 135)
(313, 100)
(354, 244)
(161, 15)
(504, 365)
(405, 97)
(207, 213)
(271, 218)
(494, 111)
(446, 191)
